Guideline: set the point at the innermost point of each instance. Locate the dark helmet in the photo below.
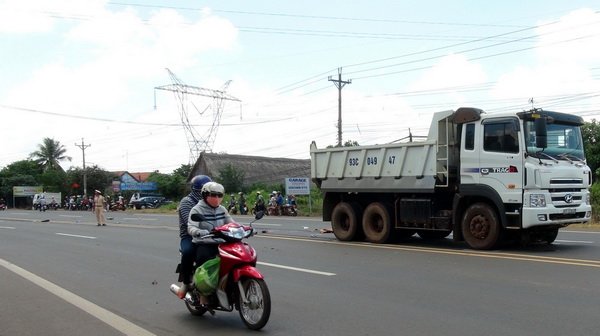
(198, 182)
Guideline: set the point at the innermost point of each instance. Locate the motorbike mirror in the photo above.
(196, 217)
(259, 215)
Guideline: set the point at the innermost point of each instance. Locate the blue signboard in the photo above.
(139, 186)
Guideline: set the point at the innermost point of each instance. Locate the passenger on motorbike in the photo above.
(188, 249)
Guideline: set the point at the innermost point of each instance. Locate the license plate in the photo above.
(568, 211)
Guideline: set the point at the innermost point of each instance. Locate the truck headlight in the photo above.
(537, 201)
(587, 199)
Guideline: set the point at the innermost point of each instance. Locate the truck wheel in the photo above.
(550, 235)
(481, 227)
(377, 223)
(344, 221)
(433, 235)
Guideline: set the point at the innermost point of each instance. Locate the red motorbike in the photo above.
(241, 286)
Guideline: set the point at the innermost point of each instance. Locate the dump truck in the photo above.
(484, 178)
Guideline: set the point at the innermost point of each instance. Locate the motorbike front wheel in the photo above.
(255, 311)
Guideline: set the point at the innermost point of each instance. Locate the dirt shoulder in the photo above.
(585, 227)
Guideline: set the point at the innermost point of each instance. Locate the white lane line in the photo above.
(142, 219)
(296, 269)
(574, 241)
(7, 227)
(106, 316)
(76, 236)
(70, 216)
(572, 231)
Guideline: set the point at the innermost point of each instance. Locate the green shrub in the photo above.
(595, 199)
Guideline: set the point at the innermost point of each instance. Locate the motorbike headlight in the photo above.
(537, 201)
(237, 233)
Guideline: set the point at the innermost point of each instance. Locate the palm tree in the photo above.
(49, 154)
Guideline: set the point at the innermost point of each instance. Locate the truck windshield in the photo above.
(564, 142)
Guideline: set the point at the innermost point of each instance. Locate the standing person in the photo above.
(99, 204)
(213, 215)
(42, 202)
(243, 206)
(259, 205)
(188, 249)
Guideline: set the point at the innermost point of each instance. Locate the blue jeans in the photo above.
(188, 255)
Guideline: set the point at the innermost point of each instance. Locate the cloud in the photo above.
(565, 54)
(29, 16)
(453, 70)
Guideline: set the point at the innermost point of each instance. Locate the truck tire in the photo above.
(344, 221)
(377, 223)
(481, 228)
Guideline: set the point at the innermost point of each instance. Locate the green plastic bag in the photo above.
(206, 277)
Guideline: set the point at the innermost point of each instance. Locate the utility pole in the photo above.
(339, 84)
(83, 146)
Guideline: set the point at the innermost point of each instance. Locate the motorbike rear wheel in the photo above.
(195, 310)
(255, 312)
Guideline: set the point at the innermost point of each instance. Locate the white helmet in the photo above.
(212, 188)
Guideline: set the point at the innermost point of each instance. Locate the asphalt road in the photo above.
(60, 274)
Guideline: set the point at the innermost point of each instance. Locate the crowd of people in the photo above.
(88, 203)
(276, 206)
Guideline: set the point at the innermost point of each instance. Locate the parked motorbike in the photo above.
(241, 286)
(232, 209)
(2, 206)
(117, 206)
(273, 210)
(243, 208)
(289, 210)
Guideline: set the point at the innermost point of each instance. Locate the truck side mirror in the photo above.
(541, 135)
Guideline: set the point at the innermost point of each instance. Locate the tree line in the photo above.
(42, 168)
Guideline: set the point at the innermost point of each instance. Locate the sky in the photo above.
(260, 73)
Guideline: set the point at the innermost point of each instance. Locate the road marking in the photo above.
(574, 241)
(104, 315)
(142, 219)
(582, 231)
(71, 216)
(72, 235)
(474, 253)
(296, 269)
(8, 227)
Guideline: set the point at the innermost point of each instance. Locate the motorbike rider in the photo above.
(259, 205)
(188, 249)
(213, 215)
(232, 203)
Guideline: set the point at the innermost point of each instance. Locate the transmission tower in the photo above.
(198, 143)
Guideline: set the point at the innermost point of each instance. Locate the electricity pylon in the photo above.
(198, 143)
